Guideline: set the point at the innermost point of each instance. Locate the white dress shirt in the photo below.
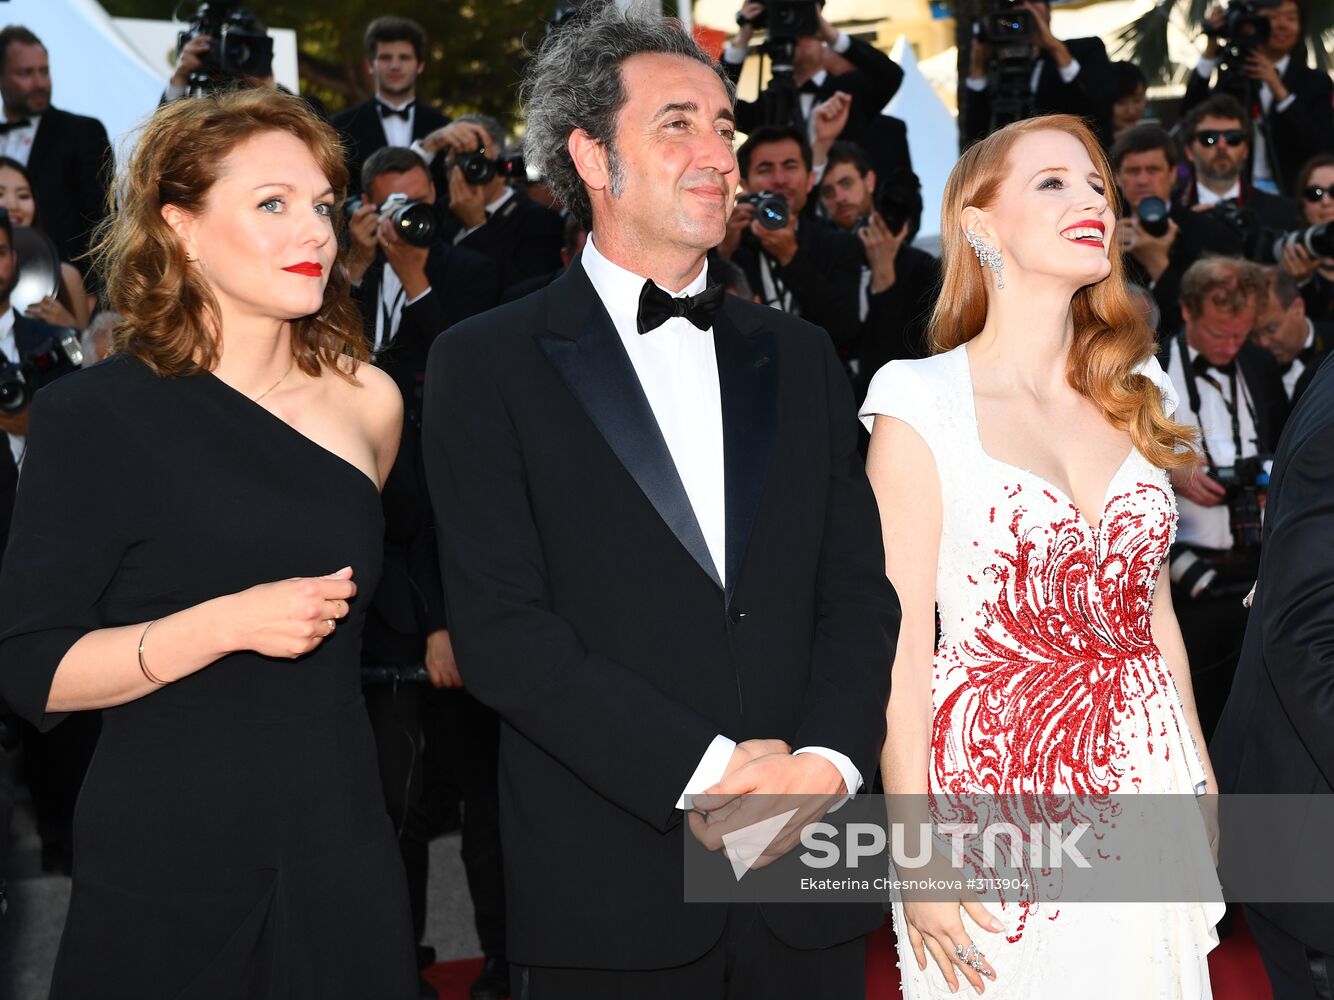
(491, 209)
(1211, 527)
(389, 307)
(1261, 173)
(397, 131)
(735, 55)
(17, 144)
(1204, 196)
(10, 348)
(1291, 376)
(678, 371)
(1068, 72)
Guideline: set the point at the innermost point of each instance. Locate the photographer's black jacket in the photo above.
(523, 239)
(1295, 134)
(363, 134)
(70, 164)
(1088, 95)
(896, 323)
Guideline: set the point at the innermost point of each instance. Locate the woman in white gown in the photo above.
(1020, 473)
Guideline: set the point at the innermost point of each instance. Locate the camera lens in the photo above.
(415, 223)
(1320, 240)
(771, 211)
(1153, 216)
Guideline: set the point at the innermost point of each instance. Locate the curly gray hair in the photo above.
(574, 82)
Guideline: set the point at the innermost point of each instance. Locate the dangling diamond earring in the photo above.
(987, 256)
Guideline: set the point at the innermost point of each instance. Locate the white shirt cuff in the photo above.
(1205, 67)
(817, 171)
(417, 298)
(173, 91)
(842, 43)
(735, 55)
(976, 84)
(1284, 104)
(851, 776)
(420, 150)
(1068, 73)
(712, 767)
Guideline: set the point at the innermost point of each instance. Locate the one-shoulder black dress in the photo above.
(231, 839)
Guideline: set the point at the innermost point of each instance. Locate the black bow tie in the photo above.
(656, 307)
(387, 112)
(1306, 356)
(809, 87)
(7, 127)
(1202, 366)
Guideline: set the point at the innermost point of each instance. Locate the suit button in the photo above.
(736, 614)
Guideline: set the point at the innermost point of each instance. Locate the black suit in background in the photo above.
(70, 164)
(363, 134)
(823, 277)
(874, 79)
(896, 322)
(1277, 731)
(1295, 134)
(586, 610)
(1088, 95)
(1320, 351)
(523, 238)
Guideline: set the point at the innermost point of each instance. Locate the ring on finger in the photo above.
(332, 625)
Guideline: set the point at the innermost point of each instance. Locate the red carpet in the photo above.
(1234, 967)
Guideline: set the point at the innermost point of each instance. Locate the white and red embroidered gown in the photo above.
(1046, 679)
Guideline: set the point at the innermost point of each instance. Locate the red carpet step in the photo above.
(1234, 967)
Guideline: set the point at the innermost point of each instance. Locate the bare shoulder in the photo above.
(374, 397)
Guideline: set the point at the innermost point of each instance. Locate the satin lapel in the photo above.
(748, 379)
(588, 354)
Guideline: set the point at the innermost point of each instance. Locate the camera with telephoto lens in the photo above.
(1153, 216)
(1317, 240)
(61, 354)
(1244, 29)
(1264, 245)
(415, 222)
(770, 208)
(479, 169)
(240, 45)
(786, 19)
(1012, 33)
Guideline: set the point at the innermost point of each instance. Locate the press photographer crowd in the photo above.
(1223, 205)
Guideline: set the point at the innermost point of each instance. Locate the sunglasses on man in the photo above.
(1234, 137)
(1313, 194)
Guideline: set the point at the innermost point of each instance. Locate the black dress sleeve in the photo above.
(65, 541)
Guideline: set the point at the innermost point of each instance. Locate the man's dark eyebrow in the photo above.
(690, 107)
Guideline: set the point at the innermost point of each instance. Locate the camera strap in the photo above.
(1238, 390)
(391, 310)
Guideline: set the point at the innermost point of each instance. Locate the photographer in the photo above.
(804, 266)
(873, 80)
(67, 156)
(899, 283)
(1072, 77)
(1129, 98)
(1170, 238)
(392, 116)
(1216, 135)
(486, 213)
(1230, 389)
(1298, 344)
(1314, 273)
(1290, 100)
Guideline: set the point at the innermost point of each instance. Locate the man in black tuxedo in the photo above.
(67, 155)
(1299, 344)
(392, 116)
(1289, 100)
(1230, 389)
(662, 558)
(489, 216)
(1073, 77)
(1216, 135)
(807, 268)
(1276, 735)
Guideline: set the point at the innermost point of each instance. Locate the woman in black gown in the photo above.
(195, 518)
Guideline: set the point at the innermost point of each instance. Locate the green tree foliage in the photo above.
(477, 47)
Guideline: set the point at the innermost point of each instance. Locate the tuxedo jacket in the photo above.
(1088, 95)
(1264, 386)
(70, 164)
(585, 609)
(409, 601)
(1299, 131)
(1276, 734)
(896, 322)
(523, 239)
(824, 276)
(874, 79)
(363, 134)
(29, 334)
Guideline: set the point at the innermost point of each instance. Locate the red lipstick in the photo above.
(310, 268)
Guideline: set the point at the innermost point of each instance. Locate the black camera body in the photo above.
(1012, 33)
(62, 353)
(786, 19)
(1153, 215)
(898, 199)
(415, 222)
(771, 209)
(1265, 245)
(240, 46)
(1244, 29)
(1247, 485)
(479, 169)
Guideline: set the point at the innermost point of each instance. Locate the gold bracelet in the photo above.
(142, 665)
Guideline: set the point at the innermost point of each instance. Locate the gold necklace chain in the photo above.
(290, 366)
